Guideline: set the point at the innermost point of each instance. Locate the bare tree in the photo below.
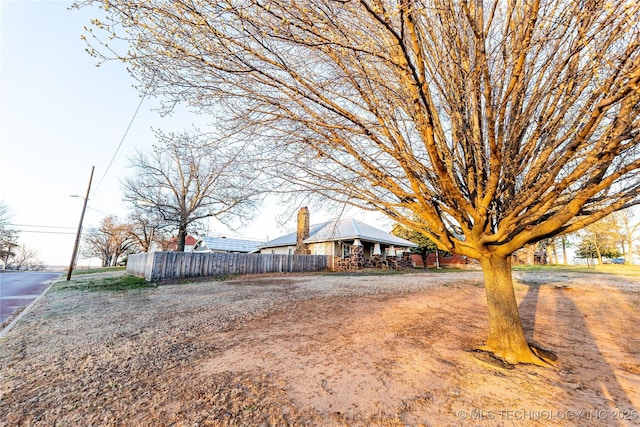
(26, 258)
(628, 230)
(8, 235)
(512, 121)
(5, 217)
(188, 178)
(97, 244)
(146, 230)
(10, 248)
(109, 242)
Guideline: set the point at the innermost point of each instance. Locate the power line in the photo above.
(44, 229)
(40, 226)
(121, 142)
(70, 233)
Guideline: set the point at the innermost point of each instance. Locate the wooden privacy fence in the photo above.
(173, 265)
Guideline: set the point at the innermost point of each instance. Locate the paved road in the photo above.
(19, 289)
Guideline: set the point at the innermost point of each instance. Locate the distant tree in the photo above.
(188, 178)
(8, 235)
(544, 248)
(26, 258)
(529, 252)
(5, 217)
(109, 242)
(425, 245)
(551, 247)
(600, 240)
(586, 249)
(11, 251)
(566, 243)
(512, 121)
(146, 230)
(630, 226)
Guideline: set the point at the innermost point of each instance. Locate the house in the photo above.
(529, 255)
(359, 243)
(225, 244)
(441, 259)
(189, 243)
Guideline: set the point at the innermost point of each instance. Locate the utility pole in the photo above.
(84, 208)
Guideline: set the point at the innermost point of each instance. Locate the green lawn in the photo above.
(123, 282)
(82, 270)
(625, 270)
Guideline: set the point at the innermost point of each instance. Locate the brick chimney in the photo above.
(302, 232)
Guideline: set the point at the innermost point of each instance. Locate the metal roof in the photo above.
(343, 229)
(227, 244)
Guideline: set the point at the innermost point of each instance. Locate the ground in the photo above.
(329, 350)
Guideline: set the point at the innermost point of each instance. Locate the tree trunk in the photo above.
(182, 237)
(116, 257)
(599, 255)
(506, 337)
(530, 252)
(549, 252)
(554, 249)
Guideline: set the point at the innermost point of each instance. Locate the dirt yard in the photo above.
(325, 350)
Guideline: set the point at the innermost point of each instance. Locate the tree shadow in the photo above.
(584, 374)
(529, 305)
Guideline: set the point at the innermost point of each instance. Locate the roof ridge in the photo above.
(354, 223)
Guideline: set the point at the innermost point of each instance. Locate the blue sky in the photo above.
(59, 116)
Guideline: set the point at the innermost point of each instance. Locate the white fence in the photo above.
(173, 265)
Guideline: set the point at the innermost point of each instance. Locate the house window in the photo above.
(346, 250)
(290, 251)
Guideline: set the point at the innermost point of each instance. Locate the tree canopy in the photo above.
(110, 242)
(512, 121)
(187, 178)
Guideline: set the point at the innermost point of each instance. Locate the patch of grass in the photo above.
(125, 282)
(626, 270)
(615, 269)
(198, 279)
(81, 271)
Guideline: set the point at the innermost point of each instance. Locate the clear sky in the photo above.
(60, 115)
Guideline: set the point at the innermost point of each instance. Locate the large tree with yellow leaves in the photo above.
(507, 121)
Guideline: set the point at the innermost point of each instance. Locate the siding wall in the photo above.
(173, 265)
(282, 250)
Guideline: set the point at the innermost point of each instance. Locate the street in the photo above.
(19, 289)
